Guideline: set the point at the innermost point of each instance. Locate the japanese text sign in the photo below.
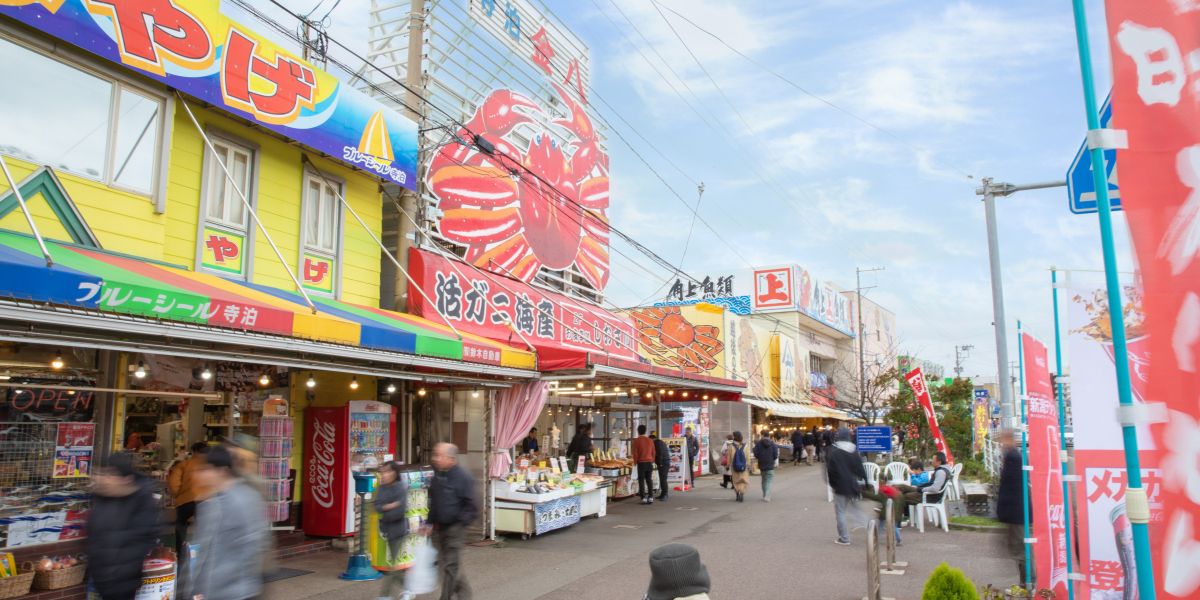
(916, 380)
(1045, 478)
(704, 289)
(774, 289)
(1155, 46)
(223, 251)
(526, 32)
(191, 46)
(487, 304)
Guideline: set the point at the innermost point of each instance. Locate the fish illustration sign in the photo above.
(191, 46)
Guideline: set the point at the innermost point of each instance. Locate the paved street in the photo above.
(782, 549)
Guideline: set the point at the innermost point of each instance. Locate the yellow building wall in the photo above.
(126, 222)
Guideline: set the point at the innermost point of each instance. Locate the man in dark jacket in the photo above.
(797, 445)
(452, 506)
(662, 459)
(121, 529)
(581, 444)
(766, 453)
(846, 476)
(529, 445)
(391, 502)
(693, 457)
(1010, 508)
(810, 444)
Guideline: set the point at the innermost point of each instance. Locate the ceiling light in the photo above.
(649, 395)
(391, 388)
(57, 363)
(685, 394)
(475, 394)
(206, 374)
(670, 392)
(597, 387)
(579, 385)
(140, 373)
(354, 382)
(706, 396)
(633, 391)
(617, 388)
(421, 392)
(5, 377)
(311, 383)
(265, 380)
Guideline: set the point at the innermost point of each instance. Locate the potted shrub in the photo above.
(948, 583)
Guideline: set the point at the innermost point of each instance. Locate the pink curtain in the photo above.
(517, 409)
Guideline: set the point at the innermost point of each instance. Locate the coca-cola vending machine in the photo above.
(338, 441)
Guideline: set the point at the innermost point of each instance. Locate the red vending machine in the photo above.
(337, 441)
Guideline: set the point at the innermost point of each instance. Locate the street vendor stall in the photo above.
(537, 499)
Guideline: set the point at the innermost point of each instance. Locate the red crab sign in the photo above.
(486, 304)
(519, 207)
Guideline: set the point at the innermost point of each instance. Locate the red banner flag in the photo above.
(1156, 102)
(916, 380)
(1045, 478)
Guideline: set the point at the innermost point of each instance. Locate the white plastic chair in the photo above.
(935, 511)
(953, 490)
(898, 472)
(872, 470)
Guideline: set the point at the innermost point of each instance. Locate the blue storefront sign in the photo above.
(191, 46)
(555, 514)
(874, 438)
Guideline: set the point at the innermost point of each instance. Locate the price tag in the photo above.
(579, 467)
(564, 465)
(524, 464)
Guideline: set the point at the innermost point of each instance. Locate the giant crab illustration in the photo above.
(675, 342)
(515, 211)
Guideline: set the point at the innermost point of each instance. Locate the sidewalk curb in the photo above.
(977, 528)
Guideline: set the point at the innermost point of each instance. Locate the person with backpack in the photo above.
(739, 466)
(846, 477)
(726, 470)
(766, 453)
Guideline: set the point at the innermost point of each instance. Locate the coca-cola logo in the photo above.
(321, 473)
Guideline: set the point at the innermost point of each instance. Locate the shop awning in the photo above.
(111, 283)
(783, 408)
(555, 361)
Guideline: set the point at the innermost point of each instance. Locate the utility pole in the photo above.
(965, 352)
(862, 341)
(989, 191)
(410, 200)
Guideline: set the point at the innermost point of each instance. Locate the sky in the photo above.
(868, 156)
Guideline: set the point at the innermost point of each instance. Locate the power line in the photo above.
(811, 94)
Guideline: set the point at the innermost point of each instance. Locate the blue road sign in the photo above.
(874, 439)
(1081, 188)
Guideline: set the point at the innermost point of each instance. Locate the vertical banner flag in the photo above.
(916, 380)
(1045, 479)
(980, 419)
(1157, 102)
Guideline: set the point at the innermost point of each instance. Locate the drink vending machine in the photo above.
(337, 442)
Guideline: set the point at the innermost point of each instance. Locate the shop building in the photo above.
(191, 252)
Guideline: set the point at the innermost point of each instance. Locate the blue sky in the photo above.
(959, 88)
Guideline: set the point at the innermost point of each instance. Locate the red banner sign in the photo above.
(1156, 101)
(916, 380)
(485, 304)
(1049, 515)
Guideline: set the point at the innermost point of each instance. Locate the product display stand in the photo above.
(275, 445)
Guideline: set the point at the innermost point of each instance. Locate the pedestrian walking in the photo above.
(846, 477)
(1010, 501)
(797, 446)
(644, 455)
(662, 458)
(767, 454)
(231, 534)
(739, 466)
(676, 573)
(452, 507)
(726, 471)
(693, 455)
(391, 502)
(122, 527)
(187, 490)
(810, 445)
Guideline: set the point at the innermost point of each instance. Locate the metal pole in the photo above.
(999, 320)
(1024, 459)
(1062, 425)
(862, 366)
(410, 200)
(37, 235)
(874, 588)
(1137, 507)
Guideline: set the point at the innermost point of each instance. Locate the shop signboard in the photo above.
(1104, 531)
(1157, 103)
(823, 302)
(789, 366)
(525, 32)
(748, 353)
(1049, 514)
(37, 404)
(555, 514)
(774, 289)
(73, 447)
(677, 472)
(191, 46)
(223, 251)
(486, 304)
(873, 438)
(35, 528)
(318, 273)
(980, 420)
(708, 288)
(688, 338)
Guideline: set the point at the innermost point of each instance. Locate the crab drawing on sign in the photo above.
(515, 210)
(676, 342)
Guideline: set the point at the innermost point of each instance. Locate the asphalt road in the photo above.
(783, 549)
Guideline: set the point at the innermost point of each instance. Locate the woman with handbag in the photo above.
(391, 502)
(726, 480)
(739, 465)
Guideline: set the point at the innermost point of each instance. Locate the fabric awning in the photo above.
(111, 283)
(559, 361)
(781, 408)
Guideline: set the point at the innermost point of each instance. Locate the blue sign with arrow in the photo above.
(1081, 187)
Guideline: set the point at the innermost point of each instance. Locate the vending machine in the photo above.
(337, 442)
